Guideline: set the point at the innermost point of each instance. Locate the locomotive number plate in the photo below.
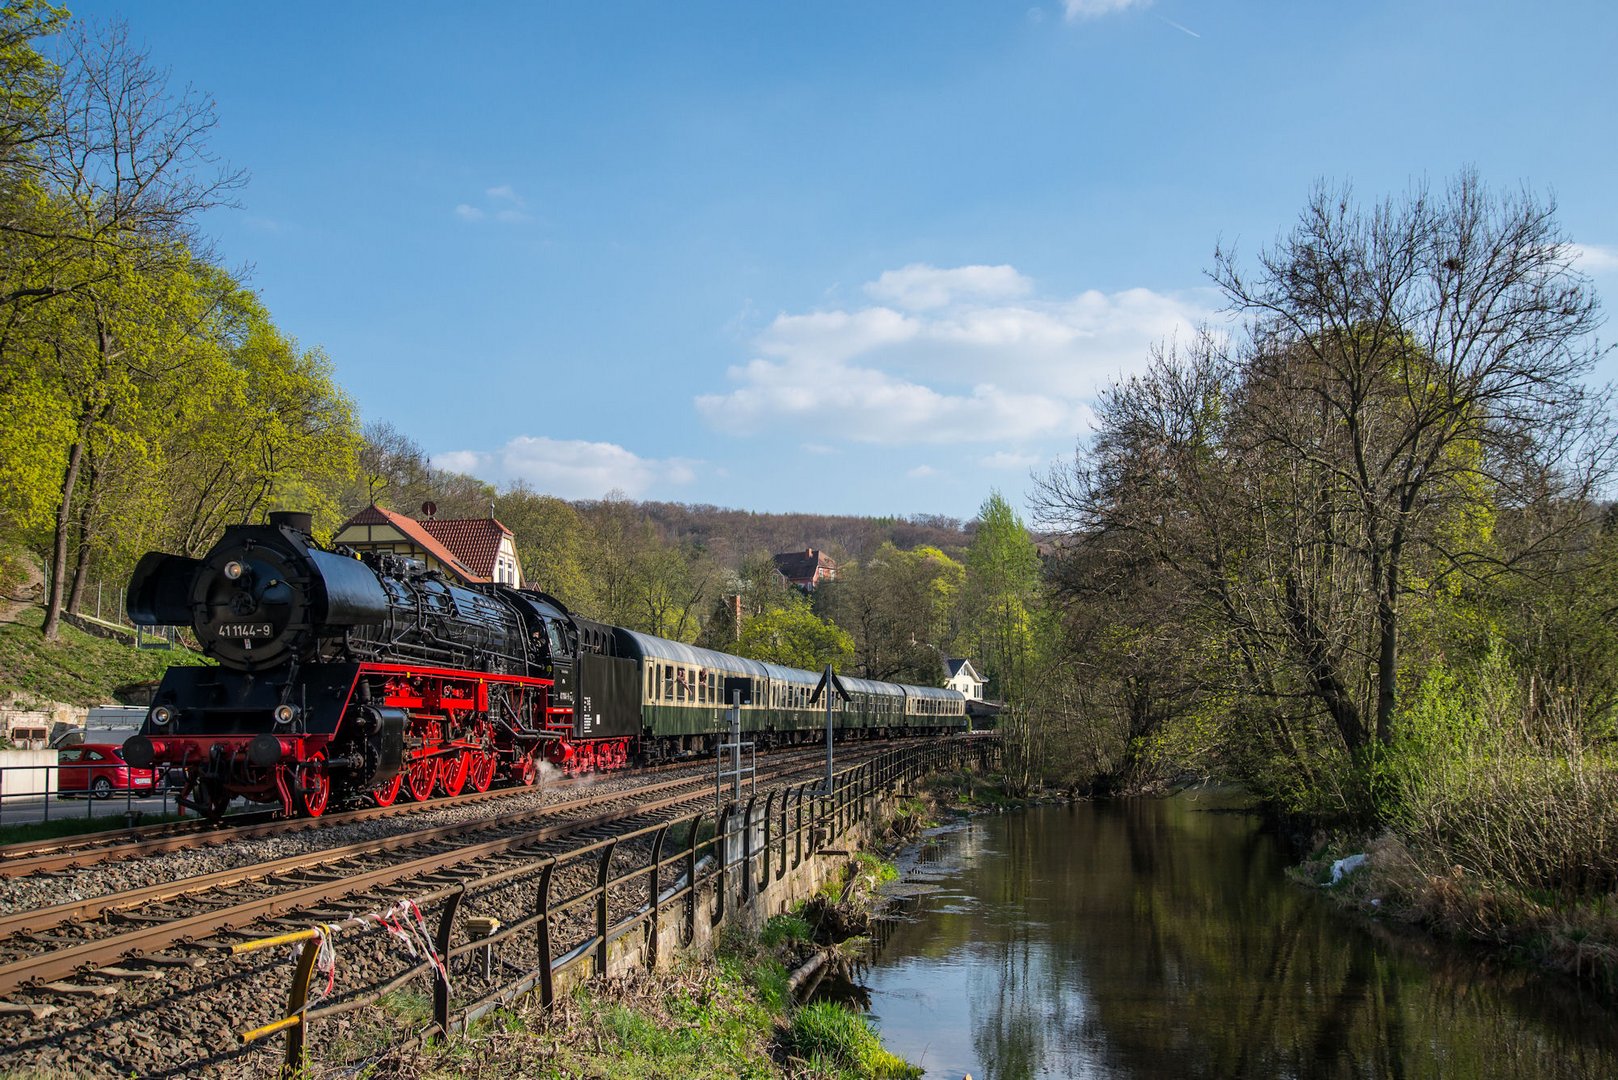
(244, 630)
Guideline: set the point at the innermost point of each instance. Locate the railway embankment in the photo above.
(729, 1002)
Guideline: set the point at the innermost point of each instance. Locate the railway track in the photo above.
(89, 849)
(123, 932)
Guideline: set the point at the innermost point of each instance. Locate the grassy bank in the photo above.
(70, 825)
(77, 668)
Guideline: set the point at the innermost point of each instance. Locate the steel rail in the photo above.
(75, 852)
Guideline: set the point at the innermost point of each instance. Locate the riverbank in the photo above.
(1577, 937)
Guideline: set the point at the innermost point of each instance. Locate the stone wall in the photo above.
(777, 897)
(45, 717)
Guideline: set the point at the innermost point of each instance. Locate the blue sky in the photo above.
(840, 257)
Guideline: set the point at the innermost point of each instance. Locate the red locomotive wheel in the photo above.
(388, 792)
(525, 770)
(311, 787)
(481, 774)
(452, 772)
(419, 777)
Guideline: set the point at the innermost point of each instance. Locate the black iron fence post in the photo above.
(769, 825)
(446, 925)
(601, 907)
(691, 881)
(747, 850)
(547, 987)
(797, 833)
(653, 900)
(721, 842)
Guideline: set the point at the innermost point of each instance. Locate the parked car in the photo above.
(98, 769)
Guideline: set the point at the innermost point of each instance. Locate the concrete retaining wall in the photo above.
(26, 772)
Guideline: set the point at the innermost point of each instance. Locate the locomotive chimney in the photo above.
(294, 519)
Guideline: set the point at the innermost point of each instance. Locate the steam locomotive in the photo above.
(343, 678)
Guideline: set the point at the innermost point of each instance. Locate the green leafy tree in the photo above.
(1001, 597)
(1401, 427)
(795, 636)
(550, 542)
(901, 608)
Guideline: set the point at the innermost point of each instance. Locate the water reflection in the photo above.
(1159, 938)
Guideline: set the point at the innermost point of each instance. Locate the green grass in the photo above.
(785, 930)
(712, 1026)
(77, 668)
(834, 1041)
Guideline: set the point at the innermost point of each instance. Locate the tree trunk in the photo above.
(81, 568)
(64, 519)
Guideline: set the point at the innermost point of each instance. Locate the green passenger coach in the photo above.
(686, 692)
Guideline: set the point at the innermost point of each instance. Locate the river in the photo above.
(1160, 938)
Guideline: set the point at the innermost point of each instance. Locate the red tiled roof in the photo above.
(415, 530)
(803, 565)
(475, 540)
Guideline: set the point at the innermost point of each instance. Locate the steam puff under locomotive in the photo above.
(344, 677)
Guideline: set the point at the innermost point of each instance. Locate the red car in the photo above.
(99, 769)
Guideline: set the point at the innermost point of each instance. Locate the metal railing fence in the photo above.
(612, 888)
(53, 790)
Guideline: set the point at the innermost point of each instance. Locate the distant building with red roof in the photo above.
(472, 551)
(806, 568)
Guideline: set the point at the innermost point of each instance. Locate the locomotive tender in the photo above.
(346, 678)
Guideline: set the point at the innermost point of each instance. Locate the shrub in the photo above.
(1476, 780)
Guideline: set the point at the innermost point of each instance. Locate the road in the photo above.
(30, 809)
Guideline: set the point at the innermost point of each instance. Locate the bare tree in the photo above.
(1403, 407)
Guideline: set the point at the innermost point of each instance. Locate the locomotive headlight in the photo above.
(233, 570)
(161, 715)
(285, 714)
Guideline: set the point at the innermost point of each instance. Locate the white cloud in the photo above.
(1595, 259)
(868, 406)
(570, 468)
(1092, 9)
(919, 287)
(977, 358)
(921, 472)
(501, 203)
(1009, 459)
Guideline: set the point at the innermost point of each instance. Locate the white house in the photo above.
(965, 678)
